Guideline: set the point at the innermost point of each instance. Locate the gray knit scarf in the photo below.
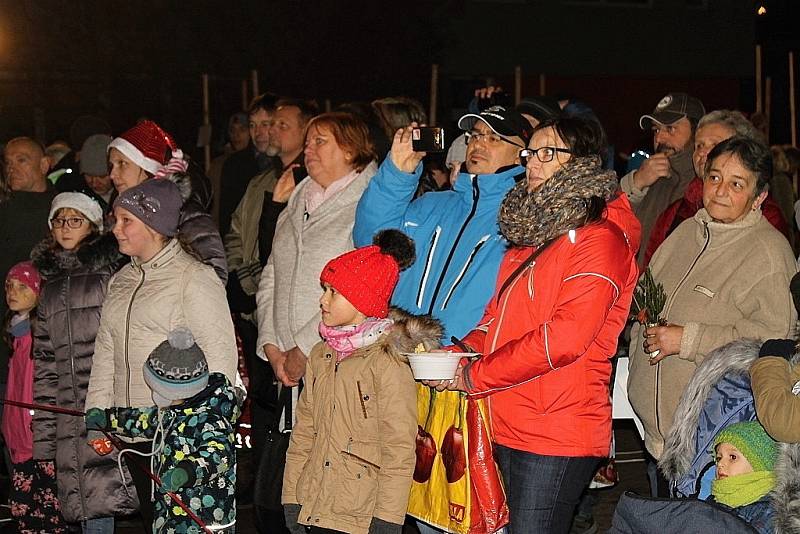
(559, 205)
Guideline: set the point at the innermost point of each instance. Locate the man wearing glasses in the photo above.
(457, 241)
(458, 244)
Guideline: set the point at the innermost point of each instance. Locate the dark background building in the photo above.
(60, 59)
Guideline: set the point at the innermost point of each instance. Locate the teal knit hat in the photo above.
(753, 442)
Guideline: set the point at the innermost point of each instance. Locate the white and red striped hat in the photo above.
(148, 146)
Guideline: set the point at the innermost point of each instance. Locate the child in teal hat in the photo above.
(745, 458)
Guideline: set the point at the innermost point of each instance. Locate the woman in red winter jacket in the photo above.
(549, 332)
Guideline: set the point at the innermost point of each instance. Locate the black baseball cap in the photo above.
(672, 108)
(502, 121)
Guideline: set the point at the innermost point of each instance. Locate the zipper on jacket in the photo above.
(361, 399)
(476, 194)
(428, 263)
(670, 301)
(463, 271)
(79, 472)
(127, 339)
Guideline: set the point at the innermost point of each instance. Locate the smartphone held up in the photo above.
(428, 139)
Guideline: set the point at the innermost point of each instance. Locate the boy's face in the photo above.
(731, 462)
(337, 310)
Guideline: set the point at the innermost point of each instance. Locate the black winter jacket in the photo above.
(89, 485)
(196, 226)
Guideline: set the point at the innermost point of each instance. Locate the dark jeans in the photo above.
(659, 485)
(542, 491)
(141, 480)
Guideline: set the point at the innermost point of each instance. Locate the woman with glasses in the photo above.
(562, 298)
(77, 260)
(162, 288)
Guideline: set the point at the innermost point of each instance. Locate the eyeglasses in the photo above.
(71, 222)
(490, 138)
(543, 154)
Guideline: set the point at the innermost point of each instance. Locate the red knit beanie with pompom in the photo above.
(366, 277)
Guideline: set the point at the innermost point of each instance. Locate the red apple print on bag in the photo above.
(426, 447)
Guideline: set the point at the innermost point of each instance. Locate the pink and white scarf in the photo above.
(345, 340)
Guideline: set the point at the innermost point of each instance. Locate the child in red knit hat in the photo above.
(351, 457)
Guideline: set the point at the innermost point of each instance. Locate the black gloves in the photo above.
(783, 348)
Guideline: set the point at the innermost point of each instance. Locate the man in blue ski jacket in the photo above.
(458, 244)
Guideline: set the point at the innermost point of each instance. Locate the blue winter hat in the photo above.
(177, 369)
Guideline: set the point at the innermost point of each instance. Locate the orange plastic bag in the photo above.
(457, 486)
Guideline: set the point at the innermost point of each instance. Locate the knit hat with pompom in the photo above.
(366, 277)
(177, 369)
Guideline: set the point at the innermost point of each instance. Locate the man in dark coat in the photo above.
(23, 215)
(241, 166)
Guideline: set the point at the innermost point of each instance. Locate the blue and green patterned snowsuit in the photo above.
(198, 436)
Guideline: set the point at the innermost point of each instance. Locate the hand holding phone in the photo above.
(427, 139)
(403, 155)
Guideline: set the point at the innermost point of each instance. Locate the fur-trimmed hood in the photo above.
(99, 253)
(679, 450)
(410, 330)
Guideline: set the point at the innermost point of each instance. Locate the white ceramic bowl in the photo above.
(436, 365)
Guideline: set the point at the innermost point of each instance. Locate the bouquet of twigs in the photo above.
(649, 298)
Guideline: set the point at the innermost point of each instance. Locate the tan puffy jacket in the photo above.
(351, 455)
(723, 282)
(144, 303)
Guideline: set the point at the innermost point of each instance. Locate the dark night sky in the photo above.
(123, 60)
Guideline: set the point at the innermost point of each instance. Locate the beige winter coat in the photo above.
(144, 303)
(289, 290)
(723, 282)
(351, 455)
(776, 385)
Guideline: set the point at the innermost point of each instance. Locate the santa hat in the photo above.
(366, 277)
(151, 148)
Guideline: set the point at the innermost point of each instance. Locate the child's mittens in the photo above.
(96, 419)
(379, 526)
(782, 348)
(174, 479)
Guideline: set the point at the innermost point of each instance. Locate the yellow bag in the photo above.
(456, 485)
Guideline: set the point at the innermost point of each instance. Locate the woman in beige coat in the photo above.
(726, 275)
(163, 287)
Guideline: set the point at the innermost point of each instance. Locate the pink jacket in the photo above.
(17, 421)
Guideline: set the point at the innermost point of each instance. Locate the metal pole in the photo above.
(434, 94)
(792, 102)
(758, 79)
(206, 123)
(768, 105)
(254, 81)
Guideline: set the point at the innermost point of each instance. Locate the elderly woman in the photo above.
(725, 273)
(315, 226)
(146, 151)
(546, 359)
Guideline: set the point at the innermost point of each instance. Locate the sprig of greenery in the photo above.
(649, 299)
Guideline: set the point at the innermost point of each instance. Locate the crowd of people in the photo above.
(147, 313)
